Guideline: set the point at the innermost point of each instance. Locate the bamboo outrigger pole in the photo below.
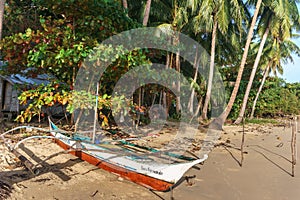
(27, 163)
(96, 113)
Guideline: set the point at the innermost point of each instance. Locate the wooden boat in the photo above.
(151, 168)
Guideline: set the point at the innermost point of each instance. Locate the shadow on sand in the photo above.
(9, 178)
(260, 151)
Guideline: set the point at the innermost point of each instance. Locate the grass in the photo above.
(261, 121)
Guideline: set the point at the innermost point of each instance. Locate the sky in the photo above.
(291, 73)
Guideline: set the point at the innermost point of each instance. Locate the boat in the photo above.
(152, 168)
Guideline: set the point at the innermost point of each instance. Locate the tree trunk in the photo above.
(253, 72)
(2, 5)
(125, 4)
(197, 109)
(196, 65)
(178, 103)
(211, 70)
(145, 22)
(266, 72)
(221, 119)
(147, 13)
(164, 93)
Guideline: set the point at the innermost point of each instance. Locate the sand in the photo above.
(265, 173)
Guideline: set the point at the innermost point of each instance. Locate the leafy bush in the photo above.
(278, 98)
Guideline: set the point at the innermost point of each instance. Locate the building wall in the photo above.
(8, 97)
(14, 101)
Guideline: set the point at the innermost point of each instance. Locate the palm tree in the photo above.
(168, 15)
(277, 53)
(221, 119)
(214, 16)
(281, 23)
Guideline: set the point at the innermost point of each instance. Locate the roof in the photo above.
(22, 80)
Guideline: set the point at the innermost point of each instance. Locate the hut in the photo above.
(9, 90)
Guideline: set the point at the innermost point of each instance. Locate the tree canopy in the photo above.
(56, 36)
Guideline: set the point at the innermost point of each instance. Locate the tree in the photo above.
(276, 53)
(217, 15)
(281, 23)
(175, 20)
(221, 119)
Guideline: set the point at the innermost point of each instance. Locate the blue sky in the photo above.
(291, 73)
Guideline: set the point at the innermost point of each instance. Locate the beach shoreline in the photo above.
(265, 174)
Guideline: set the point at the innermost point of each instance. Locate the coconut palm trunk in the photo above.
(147, 13)
(266, 73)
(253, 72)
(2, 4)
(125, 4)
(218, 123)
(145, 22)
(178, 99)
(211, 70)
(191, 100)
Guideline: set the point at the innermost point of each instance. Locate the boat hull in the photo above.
(141, 179)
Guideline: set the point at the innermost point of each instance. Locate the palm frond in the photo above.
(223, 16)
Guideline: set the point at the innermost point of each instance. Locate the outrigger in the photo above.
(152, 168)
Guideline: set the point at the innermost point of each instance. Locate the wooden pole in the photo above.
(242, 143)
(293, 145)
(95, 114)
(27, 163)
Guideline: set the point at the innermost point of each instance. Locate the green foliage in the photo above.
(55, 94)
(278, 99)
(64, 36)
(43, 96)
(53, 50)
(20, 15)
(56, 36)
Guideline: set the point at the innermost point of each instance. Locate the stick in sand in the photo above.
(242, 144)
(293, 145)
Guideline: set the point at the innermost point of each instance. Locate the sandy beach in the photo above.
(265, 173)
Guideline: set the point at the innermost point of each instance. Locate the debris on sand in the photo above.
(5, 190)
